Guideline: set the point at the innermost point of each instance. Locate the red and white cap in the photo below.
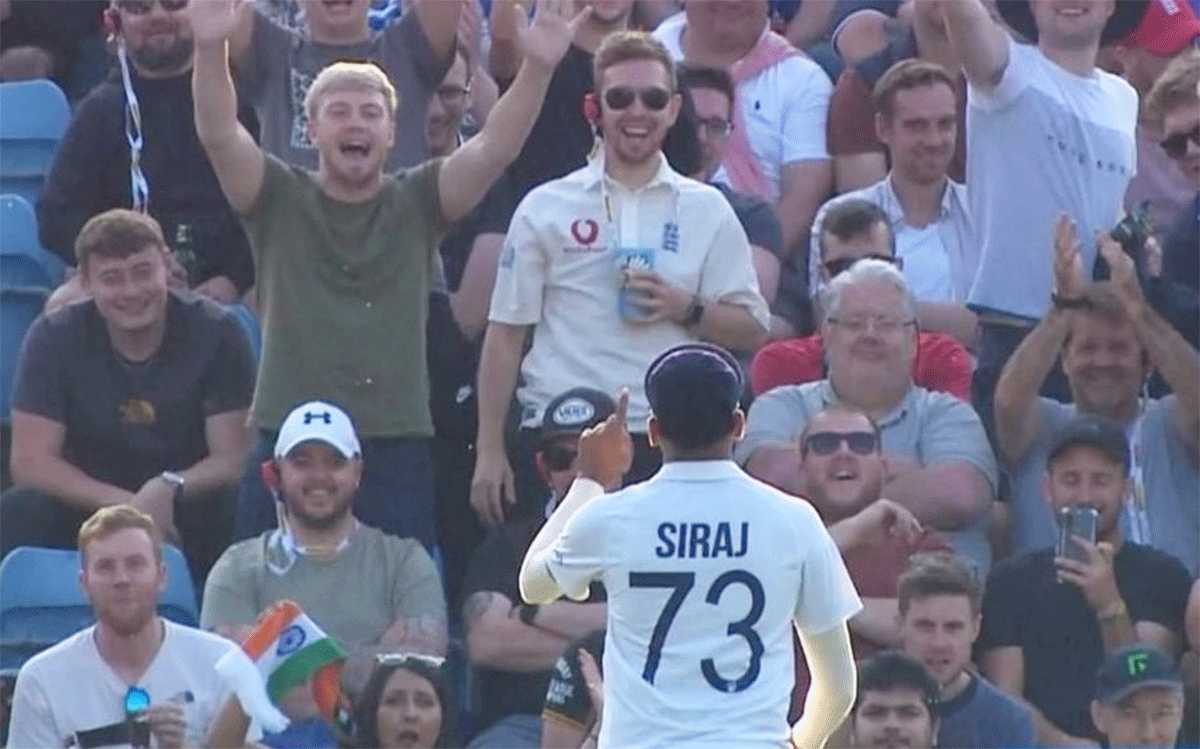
(1168, 27)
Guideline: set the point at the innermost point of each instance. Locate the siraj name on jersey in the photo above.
(701, 540)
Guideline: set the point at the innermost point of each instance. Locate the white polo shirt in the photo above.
(558, 273)
(706, 569)
(785, 108)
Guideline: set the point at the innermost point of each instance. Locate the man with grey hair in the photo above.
(940, 464)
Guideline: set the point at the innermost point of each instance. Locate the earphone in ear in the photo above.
(111, 21)
(269, 472)
(591, 109)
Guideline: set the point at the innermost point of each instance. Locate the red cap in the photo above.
(1168, 27)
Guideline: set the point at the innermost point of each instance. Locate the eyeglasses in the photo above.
(827, 443)
(883, 325)
(452, 95)
(842, 264)
(403, 659)
(716, 127)
(1176, 144)
(142, 7)
(621, 97)
(558, 458)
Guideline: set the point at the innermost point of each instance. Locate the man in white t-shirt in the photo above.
(608, 267)
(1048, 133)
(707, 571)
(131, 673)
(777, 149)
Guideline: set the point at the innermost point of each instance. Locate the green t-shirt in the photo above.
(342, 292)
(354, 596)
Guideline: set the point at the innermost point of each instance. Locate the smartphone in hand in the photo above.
(1075, 522)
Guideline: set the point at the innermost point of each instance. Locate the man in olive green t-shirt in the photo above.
(342, 255)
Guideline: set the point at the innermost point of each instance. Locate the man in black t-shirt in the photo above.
(512, 645)
(137, 396)
(1048, 620)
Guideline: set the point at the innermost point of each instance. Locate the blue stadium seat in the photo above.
(23, 261)
(33, 118)
(19, 307)
(41, 602)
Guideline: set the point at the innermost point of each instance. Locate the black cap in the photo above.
(693, 373)
(1126, 16)
(1099, 432)
(570, 413)
(1135, 667)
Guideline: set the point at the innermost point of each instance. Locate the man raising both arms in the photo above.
(706, 571)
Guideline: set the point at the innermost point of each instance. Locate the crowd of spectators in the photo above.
(347, 279)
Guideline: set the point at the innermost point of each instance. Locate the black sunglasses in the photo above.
(142, 7)
(1176, 144)
(827, 443)
(558, 458)
(621, 97)
(842, 264)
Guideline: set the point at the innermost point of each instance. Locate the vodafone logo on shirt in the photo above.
(585, 231)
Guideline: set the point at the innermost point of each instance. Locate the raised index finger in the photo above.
(622, 407)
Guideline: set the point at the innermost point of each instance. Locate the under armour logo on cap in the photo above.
(320, 422)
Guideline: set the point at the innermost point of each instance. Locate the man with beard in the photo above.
(897, 704)
(76, 692)
(153, 162)
(610, 265)
(1049, 617)
(367, 589)
(1047, 132)
(1109, 340)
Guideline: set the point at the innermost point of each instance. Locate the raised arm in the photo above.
(1017, 407)
(1168, 352)
(235, 157)
(977, 40)
(439, 23)
(469, 172)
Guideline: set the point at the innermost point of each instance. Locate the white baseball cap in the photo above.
(321, 421)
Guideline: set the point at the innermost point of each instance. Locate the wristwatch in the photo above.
(695, 312)
(175, 481)
(527, 612)
(1063, 302)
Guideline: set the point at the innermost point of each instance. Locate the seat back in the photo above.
(42, 603)
(19, 307)
(33, 118)
(23, 261)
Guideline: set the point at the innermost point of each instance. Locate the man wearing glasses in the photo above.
(853, 230)
(940, 465)
(609, 266)
(514, 646)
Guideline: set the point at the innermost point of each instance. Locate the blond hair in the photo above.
(113, 519)
(627, 46)
(351, 76)
(1176, 87)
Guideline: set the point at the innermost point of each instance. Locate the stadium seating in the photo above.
(19, 307)
(23, 261)
(33, 118)
(41, 602)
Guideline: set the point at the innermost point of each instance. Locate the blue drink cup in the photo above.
(631, 259)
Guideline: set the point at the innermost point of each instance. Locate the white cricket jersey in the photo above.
(705, 569)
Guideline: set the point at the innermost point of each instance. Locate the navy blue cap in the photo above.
(1135, 667)
(693, 372)
(1097, 432)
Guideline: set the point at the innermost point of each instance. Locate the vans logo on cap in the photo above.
(573, 411)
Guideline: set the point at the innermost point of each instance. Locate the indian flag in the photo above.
(286, 649)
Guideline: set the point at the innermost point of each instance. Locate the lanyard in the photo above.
(139, 188)
(283, 543)
(670, 237)
(1135, 506)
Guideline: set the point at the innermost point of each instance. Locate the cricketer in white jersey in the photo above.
(706, 570)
